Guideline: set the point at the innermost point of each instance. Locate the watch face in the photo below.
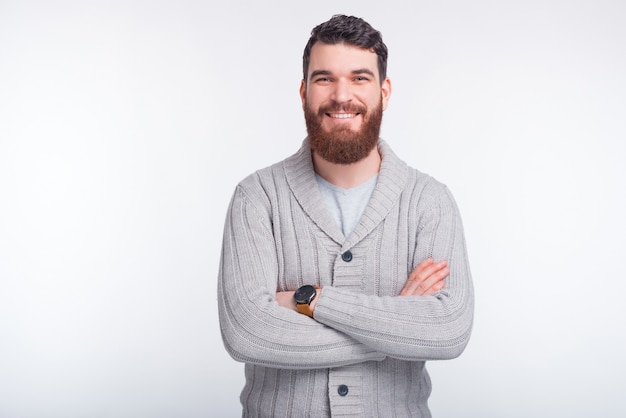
(305, 294)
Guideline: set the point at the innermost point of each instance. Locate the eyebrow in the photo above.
(353, 72)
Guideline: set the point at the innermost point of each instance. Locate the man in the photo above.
(343, 270)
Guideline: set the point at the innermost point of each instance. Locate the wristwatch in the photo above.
(303, 297)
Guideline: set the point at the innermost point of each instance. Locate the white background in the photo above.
(125, 126)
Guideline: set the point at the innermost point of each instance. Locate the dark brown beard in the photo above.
(343, 145)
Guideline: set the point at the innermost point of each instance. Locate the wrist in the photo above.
(305, 299)
(315, 299)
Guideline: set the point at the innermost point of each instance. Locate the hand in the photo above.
(286, 300)
(426, 278)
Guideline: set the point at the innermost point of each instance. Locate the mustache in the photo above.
(336, 107)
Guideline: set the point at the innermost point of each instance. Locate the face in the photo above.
(343, 101)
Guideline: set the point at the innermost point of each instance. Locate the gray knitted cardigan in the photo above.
(365, 339)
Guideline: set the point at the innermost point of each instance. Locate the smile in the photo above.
(342, 115)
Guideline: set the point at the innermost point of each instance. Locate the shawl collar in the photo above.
(303, 184)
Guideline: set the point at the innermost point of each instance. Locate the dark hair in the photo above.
(349, 30)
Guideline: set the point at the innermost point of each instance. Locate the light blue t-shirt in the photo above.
(347, 205)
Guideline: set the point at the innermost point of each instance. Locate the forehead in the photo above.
(341, 58)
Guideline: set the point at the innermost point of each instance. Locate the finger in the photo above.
(414, 277)
(431, 269)
(422, 272)
(419, 274)
(410, 286)
(419, 286)
(436, 279)
(435, 288)
(420, 267)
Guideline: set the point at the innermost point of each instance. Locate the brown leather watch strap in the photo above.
(305, 308)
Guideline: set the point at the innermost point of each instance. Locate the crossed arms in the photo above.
(426, 279)
(430, 318)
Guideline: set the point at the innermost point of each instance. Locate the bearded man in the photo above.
(343, 269)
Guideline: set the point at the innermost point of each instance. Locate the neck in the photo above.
(350, 175)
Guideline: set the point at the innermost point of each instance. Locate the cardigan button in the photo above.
(342, 390)
(347, 256)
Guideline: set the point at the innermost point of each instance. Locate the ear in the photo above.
(385, 92)
(303, 92)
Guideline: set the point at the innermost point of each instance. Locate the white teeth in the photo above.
(342, 115)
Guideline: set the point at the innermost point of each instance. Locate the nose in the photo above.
(342, 91)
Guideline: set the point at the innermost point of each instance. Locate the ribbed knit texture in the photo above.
(279, 235)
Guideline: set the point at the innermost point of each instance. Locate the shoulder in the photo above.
(401, 172)
(274, 179)
(419, 187)
(258, 186)
(425, 182)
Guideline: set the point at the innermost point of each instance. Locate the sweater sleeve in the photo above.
(433, 327)
(255, 329)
